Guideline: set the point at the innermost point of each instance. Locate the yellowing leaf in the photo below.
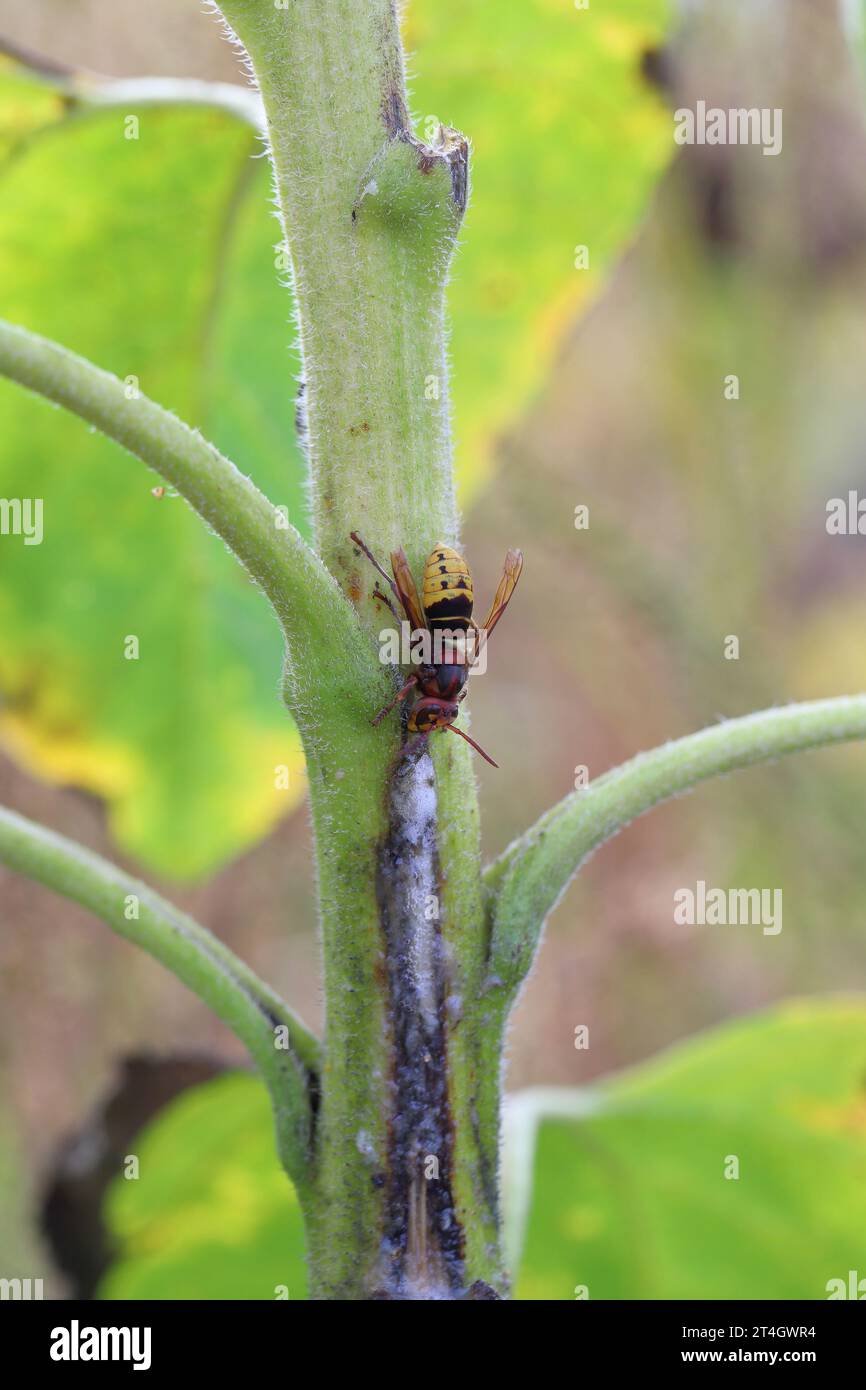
(567, 139)
(168, 279)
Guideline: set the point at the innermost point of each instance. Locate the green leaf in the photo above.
(211, 1214)
(121, 250)
(621, 1187)
(567, 141)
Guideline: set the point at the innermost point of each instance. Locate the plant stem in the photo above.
(371, 217)
(230, 988)
(527, 881)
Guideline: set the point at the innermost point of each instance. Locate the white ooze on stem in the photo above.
(413, 807)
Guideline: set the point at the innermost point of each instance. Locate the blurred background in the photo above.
(604, 388)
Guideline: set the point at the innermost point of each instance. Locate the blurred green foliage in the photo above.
(634, 1197)
(567, 142)
(211, 1214)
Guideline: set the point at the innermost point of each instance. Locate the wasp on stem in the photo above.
(444, 610)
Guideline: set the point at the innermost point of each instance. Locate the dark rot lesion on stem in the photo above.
(422, 1255)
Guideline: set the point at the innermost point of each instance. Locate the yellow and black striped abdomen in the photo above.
(447, 593)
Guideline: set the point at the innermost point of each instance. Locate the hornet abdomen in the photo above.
(447, 595)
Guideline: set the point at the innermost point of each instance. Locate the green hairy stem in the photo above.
(370, 255)
(525, 883)
(390, 1130)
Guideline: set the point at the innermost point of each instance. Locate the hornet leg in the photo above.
(401, 695)
(377, 593)
(353, 535)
